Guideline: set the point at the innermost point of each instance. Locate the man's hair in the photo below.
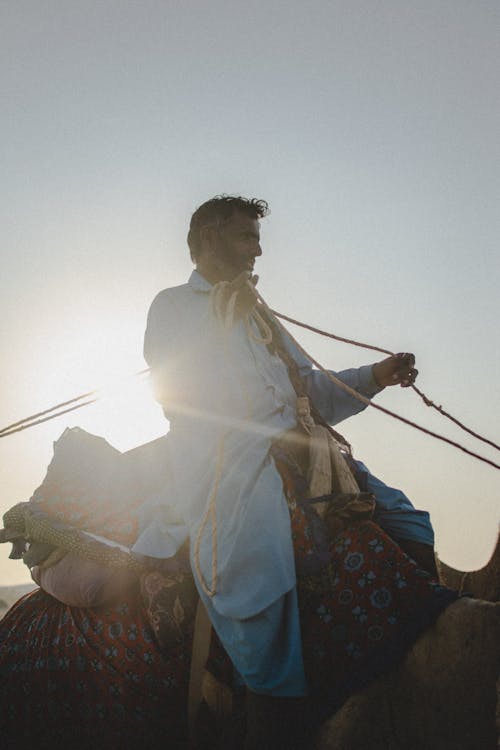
(219, 210)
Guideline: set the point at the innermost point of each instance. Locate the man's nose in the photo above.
(257, 250)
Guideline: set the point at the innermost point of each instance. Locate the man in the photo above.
(229, 395)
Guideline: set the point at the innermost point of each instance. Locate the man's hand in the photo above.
(399, 369)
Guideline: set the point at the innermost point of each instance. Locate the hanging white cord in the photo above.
(210, 513)
(224, 308)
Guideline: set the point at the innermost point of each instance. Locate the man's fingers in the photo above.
(410, 378)
(396, 369)
(407, 357)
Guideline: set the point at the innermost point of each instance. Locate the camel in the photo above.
(482, 584)
(443, 695)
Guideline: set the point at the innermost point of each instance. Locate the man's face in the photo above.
(237, 246)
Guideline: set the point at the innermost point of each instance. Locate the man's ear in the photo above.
(208, 238)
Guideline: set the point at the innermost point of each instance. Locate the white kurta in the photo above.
(212, 384)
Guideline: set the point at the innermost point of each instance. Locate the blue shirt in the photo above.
(219, 385)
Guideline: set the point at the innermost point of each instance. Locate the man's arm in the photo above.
(335, 404)
(331, 400)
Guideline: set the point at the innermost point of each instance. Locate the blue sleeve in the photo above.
(333, 403)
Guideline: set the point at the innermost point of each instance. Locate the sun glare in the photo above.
(125, 414)
(100, 357)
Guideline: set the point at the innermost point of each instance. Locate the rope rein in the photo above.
(52, 413)
(23, 424)
(225, 313)
(31, 422)
(367, 401)
(224, 308)
(427, 401)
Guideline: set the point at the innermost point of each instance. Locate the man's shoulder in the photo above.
(196, 286)
(174, 291)
(169, 308)
(172, 296)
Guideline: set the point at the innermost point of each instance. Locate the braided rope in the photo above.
(37, 527)
(210, 513)
(267, 335)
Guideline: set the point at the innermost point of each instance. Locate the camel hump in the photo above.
(448, 677)
(482, 584)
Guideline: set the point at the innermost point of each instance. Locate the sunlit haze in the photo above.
(371, 129)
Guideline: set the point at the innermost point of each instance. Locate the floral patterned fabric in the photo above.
(90, 678)
(362, 612)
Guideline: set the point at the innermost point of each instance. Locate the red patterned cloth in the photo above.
(90, 678)
(362, 612)
(110, 676)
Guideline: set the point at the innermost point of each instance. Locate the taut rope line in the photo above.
(367, 401)
(23, 424)
(225, 310)
(12, 427)
(32, 420)
(427, 401)
(6, 432)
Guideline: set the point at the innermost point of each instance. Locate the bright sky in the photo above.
(372, 130)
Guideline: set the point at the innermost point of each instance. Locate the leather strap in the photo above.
(199, 656)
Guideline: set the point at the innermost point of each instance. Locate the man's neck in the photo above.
(207, 275)
(214, 274)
